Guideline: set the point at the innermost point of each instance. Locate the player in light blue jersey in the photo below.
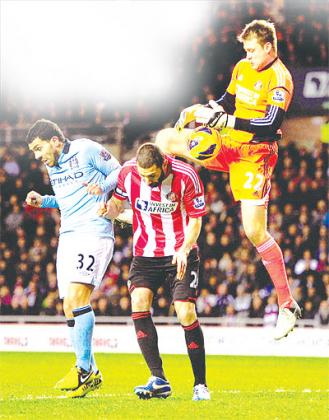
(82, 173)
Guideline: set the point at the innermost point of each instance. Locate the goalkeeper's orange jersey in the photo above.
(255, 90)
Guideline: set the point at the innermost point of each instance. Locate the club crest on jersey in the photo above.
(171, 196)
(278, 96)
(258, 85)
(74, 163)
(151, 206)
(199, 203)
(105, 154)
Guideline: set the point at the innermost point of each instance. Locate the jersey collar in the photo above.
(66, 147)
(65, 150)
(269, 64)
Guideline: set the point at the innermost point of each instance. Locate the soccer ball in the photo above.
(204, 143)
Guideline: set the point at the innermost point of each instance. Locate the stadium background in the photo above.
(122, 113)
(234, 287)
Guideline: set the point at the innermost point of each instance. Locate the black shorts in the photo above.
(153, 272)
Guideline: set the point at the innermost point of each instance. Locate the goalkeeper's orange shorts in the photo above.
(250, 167)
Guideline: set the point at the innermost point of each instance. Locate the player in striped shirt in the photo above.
(167, 200)
(82, 173)
(249, 116)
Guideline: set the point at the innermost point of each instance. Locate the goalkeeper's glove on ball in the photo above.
(215, 116)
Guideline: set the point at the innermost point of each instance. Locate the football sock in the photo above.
(195, 348)
(83, 332)
(147, 338)
(272, 258)
(93, 363)
(70, 324)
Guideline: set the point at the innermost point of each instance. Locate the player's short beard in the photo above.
(160, 179)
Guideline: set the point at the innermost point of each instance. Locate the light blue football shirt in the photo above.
(82, 160)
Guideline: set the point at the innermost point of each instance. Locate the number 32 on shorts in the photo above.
(85, 262)
(254, 181)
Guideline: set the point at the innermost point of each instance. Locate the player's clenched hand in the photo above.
(34, 199)
(107, 210)
(180, 259)
(102, 210)
(93, 189)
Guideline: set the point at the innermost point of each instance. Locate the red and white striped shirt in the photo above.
(161, 214)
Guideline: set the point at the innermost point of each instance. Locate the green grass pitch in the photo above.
(241, 388)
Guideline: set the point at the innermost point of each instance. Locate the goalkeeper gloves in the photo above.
(215, 117)
(187, 117)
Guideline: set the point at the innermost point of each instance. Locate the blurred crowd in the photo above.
(203, 67)
(233, 281)
(302, 32)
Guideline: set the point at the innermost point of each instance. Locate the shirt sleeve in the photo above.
(120, 191)
(278, 99)
(266, 126)
(49, 201)
(194, 200)
(107, 164)
(227, 101)
(280, 91)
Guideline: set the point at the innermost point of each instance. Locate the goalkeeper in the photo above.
(249, 116)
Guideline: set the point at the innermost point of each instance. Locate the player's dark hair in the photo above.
(149, 154)
(263, 30)
(45, 130)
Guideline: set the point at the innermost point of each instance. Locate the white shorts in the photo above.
(82, 259)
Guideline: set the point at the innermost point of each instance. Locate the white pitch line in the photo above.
(228, 391)
(279, 390)
(59, 397)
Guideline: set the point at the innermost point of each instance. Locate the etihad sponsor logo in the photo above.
(66, 179)
(150, 206)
